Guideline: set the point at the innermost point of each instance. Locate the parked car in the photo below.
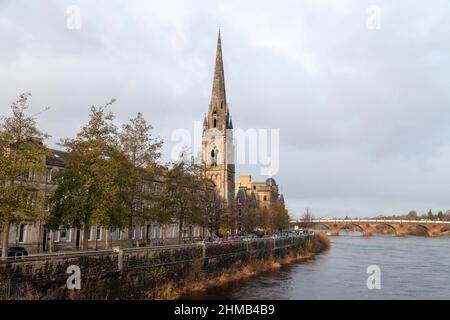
(250, 237)
(16, 252)
(228, 239)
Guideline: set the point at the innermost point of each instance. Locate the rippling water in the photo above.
(411, 268)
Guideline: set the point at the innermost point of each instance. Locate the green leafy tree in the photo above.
(440, 215)
(139, 171)
(88, 192)
(430, 215)
(22, 163)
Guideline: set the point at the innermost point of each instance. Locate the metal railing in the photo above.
(69, 254)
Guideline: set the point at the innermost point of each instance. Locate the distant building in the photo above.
(266, 192)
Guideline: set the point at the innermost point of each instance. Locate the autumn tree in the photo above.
(22, 164)
(213, 207)
(250, 219)
(280, 216)
(412, 215)
(139, 171)
(179, 198)
(227, 224)
(88, 192)
(266, 220)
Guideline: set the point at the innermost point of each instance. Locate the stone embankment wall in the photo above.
(131, 273)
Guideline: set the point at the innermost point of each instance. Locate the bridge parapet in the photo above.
(367, 226)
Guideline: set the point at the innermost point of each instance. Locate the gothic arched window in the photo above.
(214, 154)
(215, 122)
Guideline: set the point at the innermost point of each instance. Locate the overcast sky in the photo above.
(363, 112)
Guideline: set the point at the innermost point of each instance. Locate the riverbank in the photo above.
(301, 252)
(162, 272)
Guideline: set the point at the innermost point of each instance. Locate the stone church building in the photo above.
(217, 154)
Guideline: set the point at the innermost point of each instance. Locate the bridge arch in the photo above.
(421, 228)
(393, 227)
(445, 228)
(352, 224)
(335, 228)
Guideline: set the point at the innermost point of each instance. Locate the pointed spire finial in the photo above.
(218, 97)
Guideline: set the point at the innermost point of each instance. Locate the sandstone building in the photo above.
(217, 155)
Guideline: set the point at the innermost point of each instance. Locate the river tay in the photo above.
(411, 268)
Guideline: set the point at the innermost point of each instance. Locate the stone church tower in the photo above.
(217, 152)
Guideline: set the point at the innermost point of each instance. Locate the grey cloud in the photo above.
(364, 115)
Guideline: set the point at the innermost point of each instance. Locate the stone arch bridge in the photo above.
(367, 226)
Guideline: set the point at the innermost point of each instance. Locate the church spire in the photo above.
(218, 96)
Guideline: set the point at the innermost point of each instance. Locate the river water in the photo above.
(410, 268)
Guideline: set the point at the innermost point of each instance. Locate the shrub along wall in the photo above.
(131, 273)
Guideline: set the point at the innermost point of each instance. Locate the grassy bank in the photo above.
(302, 251)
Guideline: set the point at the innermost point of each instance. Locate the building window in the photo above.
(32, 175)
(98, 234)
(239, 212)
(214, 156)
(49, 175)
(68, 234)
(47, 204)
(56, 236)
(254, 187)
(120, 235)
(21, 233)
(29, 233)
(265, 198)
